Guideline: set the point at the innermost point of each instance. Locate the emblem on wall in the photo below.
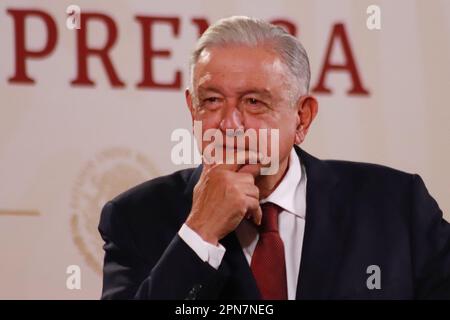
(111, 172)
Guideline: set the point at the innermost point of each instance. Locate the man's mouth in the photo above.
(234, 148)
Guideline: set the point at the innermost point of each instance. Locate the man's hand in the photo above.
(223, 196)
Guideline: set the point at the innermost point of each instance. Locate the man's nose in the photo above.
(231, 119)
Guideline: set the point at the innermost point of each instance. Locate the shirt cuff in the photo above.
(205, 250)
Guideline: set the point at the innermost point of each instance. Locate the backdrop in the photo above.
(87, 113)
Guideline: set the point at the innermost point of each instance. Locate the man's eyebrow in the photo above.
(262, 92)
(259, 91)
(208, 88)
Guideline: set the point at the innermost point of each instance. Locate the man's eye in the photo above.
(212, 100)
(211, 103)
(252, 101)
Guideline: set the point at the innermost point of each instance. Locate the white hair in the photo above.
(241, 30)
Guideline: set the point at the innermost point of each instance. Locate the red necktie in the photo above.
(268, 263)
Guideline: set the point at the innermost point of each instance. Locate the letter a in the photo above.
(74, 280)
(374, 20)
(374, 281)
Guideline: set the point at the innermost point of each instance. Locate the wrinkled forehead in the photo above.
(236, 67)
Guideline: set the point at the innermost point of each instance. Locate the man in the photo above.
(313, 230)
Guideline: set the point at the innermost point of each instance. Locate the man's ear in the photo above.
(189, 103)
(307, 108)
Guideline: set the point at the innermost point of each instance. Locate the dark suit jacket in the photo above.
(357, 215)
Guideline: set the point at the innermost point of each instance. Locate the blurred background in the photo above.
(87, 113)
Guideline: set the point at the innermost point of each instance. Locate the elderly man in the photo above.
(313, 229)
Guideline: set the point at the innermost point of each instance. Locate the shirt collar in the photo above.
(285, 194)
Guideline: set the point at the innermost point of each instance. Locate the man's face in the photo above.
(243, 87)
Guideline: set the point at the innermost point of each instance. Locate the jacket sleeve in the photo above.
(430, 244)
(178, 273)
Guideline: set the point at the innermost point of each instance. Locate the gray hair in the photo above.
(241, 30)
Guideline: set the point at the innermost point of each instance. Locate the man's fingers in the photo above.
(220, 166)
(237, 161)
(226, 166)
(253, 169)
(254, 210)
(257, 218)
(252, 191)
(251, 161)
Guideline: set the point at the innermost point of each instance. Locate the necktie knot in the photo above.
(269, 221)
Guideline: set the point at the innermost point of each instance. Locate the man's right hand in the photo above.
(223, 196)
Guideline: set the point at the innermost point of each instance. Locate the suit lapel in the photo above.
(324, 230)
(241, 284)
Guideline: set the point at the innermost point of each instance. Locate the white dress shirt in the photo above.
(290, 195)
